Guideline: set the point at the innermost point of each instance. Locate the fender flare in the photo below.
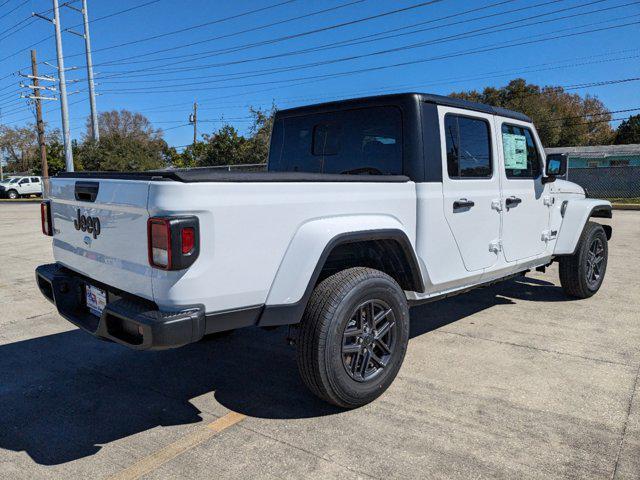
(576, 214)
(291, 313)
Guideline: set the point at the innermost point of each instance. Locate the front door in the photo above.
(525, 198)
(471, 185)
(24, 186)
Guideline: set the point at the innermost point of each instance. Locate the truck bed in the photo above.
(196, 175)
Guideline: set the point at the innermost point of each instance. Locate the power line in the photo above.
(210, 53)
(119, 12)
(13, 9)
(464, 35)
(289, 37)
(510, 44)
(145, 39)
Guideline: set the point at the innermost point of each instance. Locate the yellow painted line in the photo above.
(162, 456)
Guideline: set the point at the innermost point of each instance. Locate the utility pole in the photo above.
(64, 107)
(95, 133)
(39, 122)
(38, 93)
(193, 119)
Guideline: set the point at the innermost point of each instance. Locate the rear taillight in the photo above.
(160, 243)
(173, 242)
(45, 218)
(188, 240)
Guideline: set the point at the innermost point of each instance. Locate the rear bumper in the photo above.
(126, 319)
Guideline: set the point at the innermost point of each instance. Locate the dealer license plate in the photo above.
(96, 299)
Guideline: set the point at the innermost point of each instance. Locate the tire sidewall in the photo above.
(346, 387)
(596, 231)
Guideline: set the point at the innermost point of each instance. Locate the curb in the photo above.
(21, 200)
(626, 206)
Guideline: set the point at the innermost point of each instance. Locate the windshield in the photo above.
(14, 180)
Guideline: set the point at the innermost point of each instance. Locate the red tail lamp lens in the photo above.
(160, 243)
(45, 219)
(188, 240)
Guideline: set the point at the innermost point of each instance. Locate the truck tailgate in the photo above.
(116, 252)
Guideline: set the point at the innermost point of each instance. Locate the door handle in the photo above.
(512, 201)
(462, 203)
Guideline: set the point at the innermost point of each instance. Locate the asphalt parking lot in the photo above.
(511, 381)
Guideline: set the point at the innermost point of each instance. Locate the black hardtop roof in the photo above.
(404, 97)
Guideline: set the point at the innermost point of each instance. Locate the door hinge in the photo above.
(549, 201)
(495, 246)
(549, 235)
(496, 205)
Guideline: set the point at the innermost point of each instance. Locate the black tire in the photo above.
(338, 364)
(13, 195)
(582, 273)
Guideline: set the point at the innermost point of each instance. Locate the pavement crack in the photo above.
(530, 347)
(626, 421)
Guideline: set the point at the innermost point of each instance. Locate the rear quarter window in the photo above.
(366, 140)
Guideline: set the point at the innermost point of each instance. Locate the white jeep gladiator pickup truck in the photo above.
(368, 206)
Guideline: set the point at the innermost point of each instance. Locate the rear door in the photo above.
(36, 185)
(526, 199)
(115, 253)
(471, 185)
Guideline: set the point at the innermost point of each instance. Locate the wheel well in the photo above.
(607, 230)
(386, 255)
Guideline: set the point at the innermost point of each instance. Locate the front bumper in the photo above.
(126, 319)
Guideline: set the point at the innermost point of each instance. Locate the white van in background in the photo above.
(17, 187)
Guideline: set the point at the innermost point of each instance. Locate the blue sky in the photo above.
(227, 63)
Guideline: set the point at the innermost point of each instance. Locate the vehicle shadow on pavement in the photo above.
(62, 396)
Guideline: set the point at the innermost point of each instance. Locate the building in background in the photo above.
(605, 171)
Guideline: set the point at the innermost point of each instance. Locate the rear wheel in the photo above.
(582, 273)
(353, 337)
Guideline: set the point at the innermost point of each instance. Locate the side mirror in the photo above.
(556, 166)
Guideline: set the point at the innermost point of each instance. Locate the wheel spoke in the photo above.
(376, 359)
(370, 315)
(381, 316)
(384, 330)
(590, 273)
(366, 356)
(353, 333)
(383, 346)
(354, 361)
(351, 348)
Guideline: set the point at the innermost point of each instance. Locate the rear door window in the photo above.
(366, 140)
(468, 147)
(35, 180)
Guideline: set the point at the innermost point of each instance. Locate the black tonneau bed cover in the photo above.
(195, 175)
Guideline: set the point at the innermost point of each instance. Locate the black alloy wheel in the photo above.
(368, 341)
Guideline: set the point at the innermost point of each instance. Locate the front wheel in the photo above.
(353, 336)
(12, 194)
(582, 274)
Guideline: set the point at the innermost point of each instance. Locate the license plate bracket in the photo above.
(96, 299)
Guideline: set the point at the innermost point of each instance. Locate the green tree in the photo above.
(128, 142)
(224, 147)
(19, 147)
(628, 131)
(561, 118)
(257, 146)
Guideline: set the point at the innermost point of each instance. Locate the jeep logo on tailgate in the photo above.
(87, 224)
